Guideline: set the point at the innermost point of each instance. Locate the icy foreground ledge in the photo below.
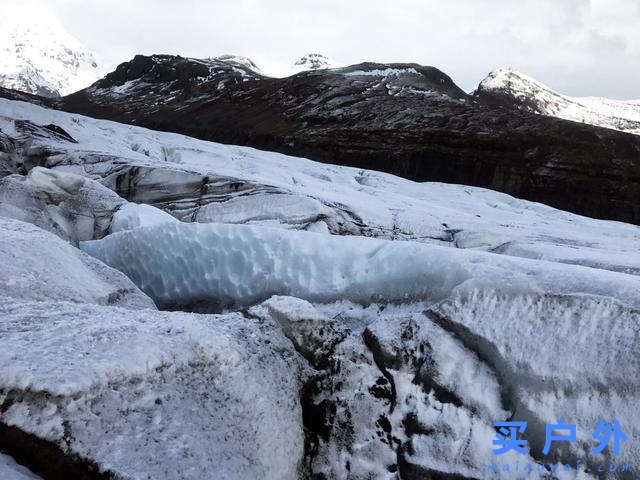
(151, 394)
(181, 264)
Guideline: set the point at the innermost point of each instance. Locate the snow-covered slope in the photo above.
(37, 55)
(312, 61)
(510, 86)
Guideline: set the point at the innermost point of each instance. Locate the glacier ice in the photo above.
(204, 181)
(393, 357)
(414, 390)
(10, 470)
(134, 215)
(221, 265)
(152, 394)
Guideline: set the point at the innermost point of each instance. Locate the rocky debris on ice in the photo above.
(37, 265)
(413, 390)
(314, 335)
(151, 394)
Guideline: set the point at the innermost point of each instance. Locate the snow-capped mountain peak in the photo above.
(312, 61)
(511, 87)
(240, 61)
(37, 54)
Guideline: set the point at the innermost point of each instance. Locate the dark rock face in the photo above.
(10, 94)
(405, 119)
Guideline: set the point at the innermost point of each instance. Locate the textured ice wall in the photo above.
(182, 264)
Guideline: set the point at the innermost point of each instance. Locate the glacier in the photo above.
(195, 180)
(354, 325)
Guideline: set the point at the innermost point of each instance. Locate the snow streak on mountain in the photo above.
(37, 55)
(508, 87)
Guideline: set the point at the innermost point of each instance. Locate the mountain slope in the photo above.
(512, 88)
(37, 55)
(405, 119)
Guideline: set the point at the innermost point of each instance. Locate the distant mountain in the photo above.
(312, 61)
(37, 55)
(509, 87)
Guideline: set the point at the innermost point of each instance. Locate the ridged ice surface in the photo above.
(181, 263)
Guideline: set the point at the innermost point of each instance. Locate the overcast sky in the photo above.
(579, 47)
